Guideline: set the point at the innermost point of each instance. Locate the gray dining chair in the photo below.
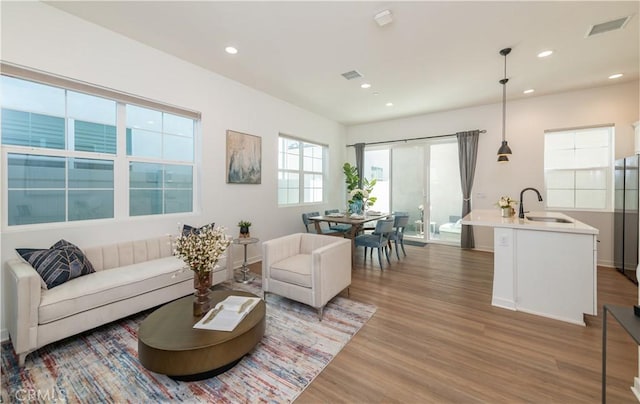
(379, 239)
(341, 227)
(399, 224)
(311, 227)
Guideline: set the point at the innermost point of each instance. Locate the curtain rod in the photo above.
(413, 138)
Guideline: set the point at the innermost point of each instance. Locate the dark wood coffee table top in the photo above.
(168, 343)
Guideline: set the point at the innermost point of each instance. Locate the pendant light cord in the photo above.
(504, 98)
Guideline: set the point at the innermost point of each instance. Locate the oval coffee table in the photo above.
(168, 343)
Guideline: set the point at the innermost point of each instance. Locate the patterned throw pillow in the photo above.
(186, 229)
(62, 262)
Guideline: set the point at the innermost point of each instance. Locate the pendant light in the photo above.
(504, 149)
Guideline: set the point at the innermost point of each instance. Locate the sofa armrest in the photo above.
(23, 300)
(331, 270)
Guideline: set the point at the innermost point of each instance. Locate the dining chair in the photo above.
(307, 223)
(399, 224)
(341, 227)
(379, 239)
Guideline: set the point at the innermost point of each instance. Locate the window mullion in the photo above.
(121, 165)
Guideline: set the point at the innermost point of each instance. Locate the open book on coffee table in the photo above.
(227, 314)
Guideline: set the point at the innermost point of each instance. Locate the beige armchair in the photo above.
(307, 268)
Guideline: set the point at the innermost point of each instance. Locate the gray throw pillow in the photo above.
(58, 264)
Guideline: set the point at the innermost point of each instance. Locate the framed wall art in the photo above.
(244, 158)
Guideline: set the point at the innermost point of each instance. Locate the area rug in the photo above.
(415, 243)
(102, 365)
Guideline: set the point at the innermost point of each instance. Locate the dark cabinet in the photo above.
(626, 194)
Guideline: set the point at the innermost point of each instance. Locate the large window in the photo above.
(153, 139)
(577, 168)
(300, 171)
(60, 150)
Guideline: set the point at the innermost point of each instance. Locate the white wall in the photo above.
(41, 37)
(526, 121)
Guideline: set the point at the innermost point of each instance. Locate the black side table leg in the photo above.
(604, 355)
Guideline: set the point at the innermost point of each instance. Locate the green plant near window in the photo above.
(356, 194)
(244, 223)
(351, 174)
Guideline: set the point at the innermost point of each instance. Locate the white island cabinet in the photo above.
(545, 266)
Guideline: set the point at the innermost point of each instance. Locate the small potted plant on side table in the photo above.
(244, 229)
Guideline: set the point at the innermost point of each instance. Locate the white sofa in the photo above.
(305, 267)
(130, 277)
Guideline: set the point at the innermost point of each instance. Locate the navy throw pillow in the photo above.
(186, 229)
(60, 263)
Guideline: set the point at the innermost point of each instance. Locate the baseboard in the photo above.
(250, 260)
(4, 335)
(635, 389)
(606, 263)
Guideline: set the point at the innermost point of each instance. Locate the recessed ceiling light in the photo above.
(389, 104)
(529, 91)
(365, 85)
(231, 50)
(544, 54)
(616, 76)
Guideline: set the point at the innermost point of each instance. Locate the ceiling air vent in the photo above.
(353, 74)
(608, 26)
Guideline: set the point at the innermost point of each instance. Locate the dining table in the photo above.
(357, 223)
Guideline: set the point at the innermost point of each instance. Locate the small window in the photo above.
(577, 167)
(160, 188)
(300, 171)
(45, 189)
(159, 135)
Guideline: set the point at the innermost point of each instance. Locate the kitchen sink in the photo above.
(548, 219)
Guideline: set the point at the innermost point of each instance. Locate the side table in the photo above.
(244, 276)
(629, 322)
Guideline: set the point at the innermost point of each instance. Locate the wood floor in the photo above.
(436, 338)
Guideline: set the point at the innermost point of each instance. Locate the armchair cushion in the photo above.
(295, 270)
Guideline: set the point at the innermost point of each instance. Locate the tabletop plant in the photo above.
(244, 228)
(201, 250)
(359, 198)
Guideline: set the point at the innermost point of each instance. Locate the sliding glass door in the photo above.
(445, 193)
(408, 186)
(422, 180)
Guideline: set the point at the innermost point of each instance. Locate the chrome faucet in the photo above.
(521, 211)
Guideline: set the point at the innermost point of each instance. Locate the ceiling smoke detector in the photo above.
(353, 74)
(608, 26)
(383, 18)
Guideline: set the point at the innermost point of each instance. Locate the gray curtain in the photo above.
(360, 162)
(467, 155)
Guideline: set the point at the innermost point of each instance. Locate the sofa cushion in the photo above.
(60, 263)
(105, 287)
(295, 270)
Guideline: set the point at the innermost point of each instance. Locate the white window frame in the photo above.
(120, 159)
(608, 169)
(301, 173)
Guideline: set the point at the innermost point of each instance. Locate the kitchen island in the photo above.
(544, 264)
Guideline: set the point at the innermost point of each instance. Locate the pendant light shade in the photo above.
(504, 149)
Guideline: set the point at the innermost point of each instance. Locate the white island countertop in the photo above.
(493, 218)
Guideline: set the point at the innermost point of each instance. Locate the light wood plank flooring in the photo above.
(436, 338)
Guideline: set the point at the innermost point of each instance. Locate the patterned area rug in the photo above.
(102, 365)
